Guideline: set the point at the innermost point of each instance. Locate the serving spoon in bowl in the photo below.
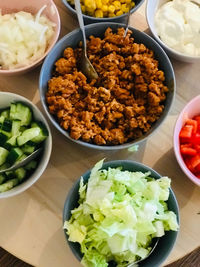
(85, 64)
(127, 22)
(154, 244)
(23, 162)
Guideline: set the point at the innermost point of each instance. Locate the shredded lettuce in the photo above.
(119, 213)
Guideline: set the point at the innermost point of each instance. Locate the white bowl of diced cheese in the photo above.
(176, 27)
(29, 30)
(23, 129)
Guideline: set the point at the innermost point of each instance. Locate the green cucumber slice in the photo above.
(5, 113)
(8, 185)
(3, 138)
(16, 124)
(31, 165)
(21, 112)
(28, 149)
(20, 174)
(7, 125)
(2, 178)
(28, 135)
(14, 155)
(3, 155)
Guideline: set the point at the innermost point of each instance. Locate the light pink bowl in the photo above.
(190, 110)
(32, 6)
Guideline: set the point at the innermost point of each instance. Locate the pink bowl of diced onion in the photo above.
(29, 30)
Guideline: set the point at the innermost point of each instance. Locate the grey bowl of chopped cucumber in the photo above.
(23, 129)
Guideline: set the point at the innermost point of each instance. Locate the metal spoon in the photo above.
(154, 244)
(23, 162)
(127, 22)
(85, 65)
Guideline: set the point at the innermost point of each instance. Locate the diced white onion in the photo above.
(24, 38)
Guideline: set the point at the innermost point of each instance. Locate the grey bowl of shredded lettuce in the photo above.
(115, 211)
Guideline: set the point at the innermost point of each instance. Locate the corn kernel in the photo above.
(128, 1)
(124, 8)
(90, 4)
(104, 8)
(132, 4)
(119, 13)
(111, 8)
(99, 13)
(111, 15)
(98, 4)
(117, 4)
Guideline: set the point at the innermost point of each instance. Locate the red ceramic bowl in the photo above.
(190, 110)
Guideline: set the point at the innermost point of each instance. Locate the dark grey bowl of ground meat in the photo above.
(128, 103)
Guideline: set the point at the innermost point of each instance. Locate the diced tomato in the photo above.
(188, 164)
(186, 145)
(185, 150)
(186, 132)
(194, 124)
(197, 118)
(197, 147)
(195, 161)
(196, 139)
(197, 169)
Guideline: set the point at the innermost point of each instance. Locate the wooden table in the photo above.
(31, 223)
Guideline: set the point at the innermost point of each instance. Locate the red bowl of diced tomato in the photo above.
(187, 140)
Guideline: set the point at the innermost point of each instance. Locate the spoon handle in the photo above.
(127, 22)
(23, 162)
(80, 20)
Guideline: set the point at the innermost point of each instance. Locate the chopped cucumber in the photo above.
(31, 165)
(28, 135)
(6, 133)
(43, 132)
(1, 121)
(3, 155)
(10, 175)
(21, 112)
(5, 113)
(14, 155)
(20, 174)
(7, 125)
(28, 149)
(23, 128)
(6, 165)
(3, 138)
(16, 127)
(11, 142)
(2, 178)
(21, 158)
(8, 185)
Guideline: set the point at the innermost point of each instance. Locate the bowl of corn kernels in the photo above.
(104, 10)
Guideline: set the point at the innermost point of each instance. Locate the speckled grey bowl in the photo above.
(72, 39)
(90, 19)
(165, 243)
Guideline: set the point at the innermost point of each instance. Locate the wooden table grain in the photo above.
(31, 223)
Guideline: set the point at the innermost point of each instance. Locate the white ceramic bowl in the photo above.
(151, 9)
(5, 100)
(189, 111)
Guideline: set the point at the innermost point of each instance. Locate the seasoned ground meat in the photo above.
(122, 104)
